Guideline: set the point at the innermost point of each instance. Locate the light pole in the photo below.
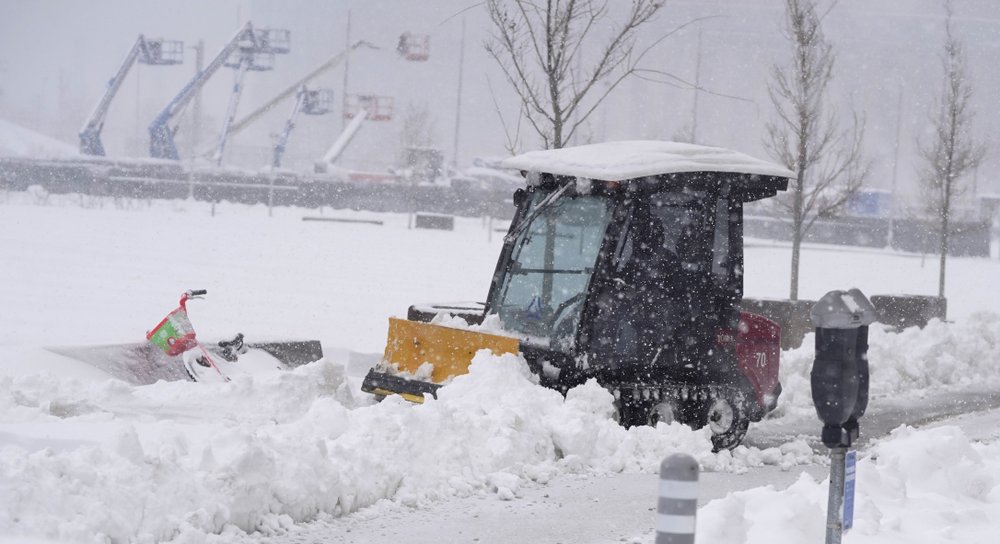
(458, 106)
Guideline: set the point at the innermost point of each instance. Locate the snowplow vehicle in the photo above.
(623, 263)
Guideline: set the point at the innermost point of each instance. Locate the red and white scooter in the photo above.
(176, 336)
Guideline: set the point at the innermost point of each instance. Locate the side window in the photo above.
(685, 219)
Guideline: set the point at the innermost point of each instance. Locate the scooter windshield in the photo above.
(552, 261)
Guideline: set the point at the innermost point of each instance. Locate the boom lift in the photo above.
(309, 102)
(375, 107)
(328, 64)
(415, 47)
(261, 59)
(624, 264)
(250, 49)
(340, 144)
(157, 52)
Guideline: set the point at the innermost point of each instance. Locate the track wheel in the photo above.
(629, 412)
(663, 412)
(727, 420)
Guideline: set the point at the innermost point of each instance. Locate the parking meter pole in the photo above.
(834, 521)
(839, 381)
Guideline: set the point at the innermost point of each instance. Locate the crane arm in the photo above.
(90, 134)
(328, 64)
(161, 136)
(282, 142)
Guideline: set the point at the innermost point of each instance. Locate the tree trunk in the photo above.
(793, 293)
(798, 211)
(945, 227)
(557, 130)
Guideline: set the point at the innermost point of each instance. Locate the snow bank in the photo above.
(183, 462)
(942, 355)
(18, 141)
(178, 461)
(916, 487)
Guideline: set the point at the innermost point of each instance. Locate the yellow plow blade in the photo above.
(413, 343)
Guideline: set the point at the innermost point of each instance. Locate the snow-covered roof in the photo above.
(619, 161)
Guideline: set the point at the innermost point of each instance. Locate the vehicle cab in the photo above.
(625, 260)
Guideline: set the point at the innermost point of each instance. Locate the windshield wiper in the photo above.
(545, 203)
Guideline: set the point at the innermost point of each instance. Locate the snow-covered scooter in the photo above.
(176, 336)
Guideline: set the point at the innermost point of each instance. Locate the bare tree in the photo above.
(805, 135)
(419, 156)
(539, 45)
(419, 128)
(952, 151)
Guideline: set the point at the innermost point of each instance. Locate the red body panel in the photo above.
(758, 347)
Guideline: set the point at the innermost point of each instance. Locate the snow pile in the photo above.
(175, 460)
(942, 355)
(491, 324)
(917, 487)
(18, 141)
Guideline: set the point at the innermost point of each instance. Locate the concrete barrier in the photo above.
(343, 220)
(791, 316)
(896, 311)
(902, 311)
(434, 221)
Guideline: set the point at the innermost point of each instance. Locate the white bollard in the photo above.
(678, 502)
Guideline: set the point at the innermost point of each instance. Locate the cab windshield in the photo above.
(553, 258)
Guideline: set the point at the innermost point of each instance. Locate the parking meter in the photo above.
(839, 375)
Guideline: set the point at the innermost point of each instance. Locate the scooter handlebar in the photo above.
(188, 295)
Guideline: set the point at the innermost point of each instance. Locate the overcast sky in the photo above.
(57, 55)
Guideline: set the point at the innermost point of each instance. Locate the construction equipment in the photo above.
(293, 89)
(377, 108)
(624, 263)
(309, 102)
(249, 49)
(414, 47)
(326, 164)
(157, 52)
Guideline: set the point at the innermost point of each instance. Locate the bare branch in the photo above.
(552, 34)
(683, 83)
(511, 140)
(511, 48)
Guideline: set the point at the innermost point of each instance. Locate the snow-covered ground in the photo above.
(84, 458)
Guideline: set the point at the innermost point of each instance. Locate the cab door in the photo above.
(658, 303)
